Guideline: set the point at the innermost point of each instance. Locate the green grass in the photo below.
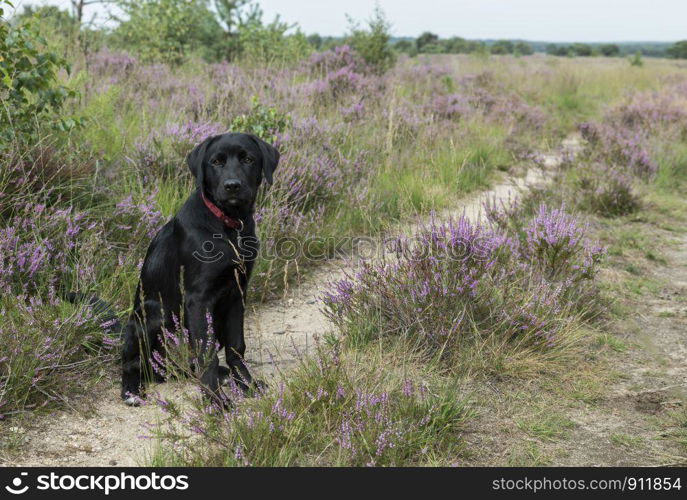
(528, 455)
(611, 341)
(435, 176)
(626, 440)
(546, 425)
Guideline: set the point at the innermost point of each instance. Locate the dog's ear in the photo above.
(270, 157)
(195, 158)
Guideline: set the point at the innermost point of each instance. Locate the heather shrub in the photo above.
(621, 147)
(51, 347)
(48, 349)
(40, 247)
(331, 410)
(336, 85)
(314, 172)
(606, 192)
(163, 152)
(456, 281)
(556, 242)
(630, 137)
(651, 111)
(319, 64)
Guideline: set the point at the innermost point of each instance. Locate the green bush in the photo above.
(373, 43)
(609, 194)
(610, 50)
(636, 60)
(169, 30)
(265, 44)
(679, 50)
(30, 93)
(261, 121)
(426, 38)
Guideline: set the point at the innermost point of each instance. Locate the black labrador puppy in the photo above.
(197, 267)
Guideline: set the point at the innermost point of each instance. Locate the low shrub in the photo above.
(516, 278)
(606, 192)
(331, 410)
(49, 349)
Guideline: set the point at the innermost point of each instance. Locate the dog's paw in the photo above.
(133, 400)
(259, 385)
(224, 375)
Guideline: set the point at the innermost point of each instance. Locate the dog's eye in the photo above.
(247, 160)
(217, 162)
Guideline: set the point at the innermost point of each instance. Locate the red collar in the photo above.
(217, 212)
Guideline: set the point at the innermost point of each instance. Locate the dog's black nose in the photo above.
(232, 186)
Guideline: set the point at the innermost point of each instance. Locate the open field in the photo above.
(529, 307)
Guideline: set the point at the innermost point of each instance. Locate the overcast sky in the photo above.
(542, 20)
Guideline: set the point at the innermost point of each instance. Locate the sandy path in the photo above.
(105, 432)
(653, 382)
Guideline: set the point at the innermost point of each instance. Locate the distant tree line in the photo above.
(583, 50)
(171, 30)
(679, 50)
(430, 43)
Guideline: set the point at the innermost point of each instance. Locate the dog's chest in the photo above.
(224, 252)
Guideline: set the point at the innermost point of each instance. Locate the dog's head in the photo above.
(230, 168)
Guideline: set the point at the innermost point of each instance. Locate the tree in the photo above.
(523, 48)
(475, 46)
(31, 94)
(407, 47)
(433, 48)
(455, 45)
(679, 50)
(581, 49)
(403, 45)
(610, 50)
(53, 20)
(168, 30)
(373, 43)
(269, 43)
(636, 60)
(78, 7)
(232, 14)
(556, 50)
(425, 39)
(315, 40)
(502, 47)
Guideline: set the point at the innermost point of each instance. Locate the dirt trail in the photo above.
(104, 432)
(631, 425)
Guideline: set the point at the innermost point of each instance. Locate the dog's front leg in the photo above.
(235, 345)
(197, 317)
